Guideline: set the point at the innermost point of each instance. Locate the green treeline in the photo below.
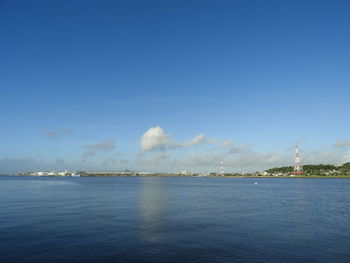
(315, 169)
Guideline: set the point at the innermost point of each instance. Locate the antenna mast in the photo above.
(222, 172)
(298, 168)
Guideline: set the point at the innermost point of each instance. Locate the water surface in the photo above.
(150, 219)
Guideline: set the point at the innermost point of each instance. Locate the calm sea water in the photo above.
(136, 219)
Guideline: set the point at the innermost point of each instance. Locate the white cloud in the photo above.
(322, 156)
(55, 134)
(154, 160)
(226, 143)
(244, 159)
(341, 144)
(59, 161)
(251, 161)
(28, 164)
(105, 145)
(297, 142)
(237, 158)
(346, 157)
(239, 149)
(89, 153)
(112, 163)
(200, 138)
(50, 134)
(155, 139)
(66, 130)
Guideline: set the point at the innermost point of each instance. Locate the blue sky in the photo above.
(82, 81)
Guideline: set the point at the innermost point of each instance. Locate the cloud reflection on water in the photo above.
(152, 204)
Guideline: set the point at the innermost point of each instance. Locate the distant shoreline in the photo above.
(187, 176)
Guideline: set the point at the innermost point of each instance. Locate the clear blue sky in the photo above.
(82, 81)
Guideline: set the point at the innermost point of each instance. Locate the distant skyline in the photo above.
(173, 85)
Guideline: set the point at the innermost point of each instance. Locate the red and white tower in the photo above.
(222, 172)
(298, 168)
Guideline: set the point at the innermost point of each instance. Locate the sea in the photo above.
(174, 219)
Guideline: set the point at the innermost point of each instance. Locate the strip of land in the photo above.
(308, 171)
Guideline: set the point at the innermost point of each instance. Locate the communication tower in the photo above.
(222, 172)
(298, 168)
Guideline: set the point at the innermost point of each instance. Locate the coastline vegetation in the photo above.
(309, 171)
(315, 170)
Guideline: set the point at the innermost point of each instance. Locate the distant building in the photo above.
(264, 173)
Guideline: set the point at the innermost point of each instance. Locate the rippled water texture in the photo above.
(136, 219)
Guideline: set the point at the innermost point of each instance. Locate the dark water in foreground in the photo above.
(174, 220)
